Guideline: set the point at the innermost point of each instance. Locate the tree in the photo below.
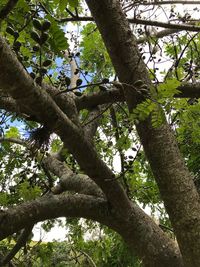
(90, 117)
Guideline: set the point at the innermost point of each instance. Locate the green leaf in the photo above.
(73, 3)
(26, 192)
(143, 110)
(57, 40)
(13, 132)
(37, 24)
(62, 5)
(157, 116)
(3, 199)
(168, 89)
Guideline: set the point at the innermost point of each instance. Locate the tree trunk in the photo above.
(173, 178)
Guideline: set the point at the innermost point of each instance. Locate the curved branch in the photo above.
(70, 181)
(157, 35)
(99, 98)
(138, 231)
(51, 206)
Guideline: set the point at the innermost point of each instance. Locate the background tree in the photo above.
(72, 102)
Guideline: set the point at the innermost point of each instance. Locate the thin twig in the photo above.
(167, 25)
(99, 115)
(183, 27)
(80, 87)
(172, 2)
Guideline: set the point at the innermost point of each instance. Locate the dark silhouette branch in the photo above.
(14, 140)
(182, 27)
(21, 241)
(7, 9)
(189, 90)
(173, 26)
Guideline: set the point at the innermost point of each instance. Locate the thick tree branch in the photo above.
(51, 206)
(189, 90)
(70, 181)
(21, 87)
(140, 227)
(88, 101)
(92, 123)
(99, 98)
(157, 35)
(173, 178)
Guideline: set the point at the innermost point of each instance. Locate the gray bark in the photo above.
(173, 178)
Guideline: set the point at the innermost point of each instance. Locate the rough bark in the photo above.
(154, 248)
(69, 181)
(49, 207)
(92, 123)
(21, 87)
(174, 180)
(114, 95)
(87, 101)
